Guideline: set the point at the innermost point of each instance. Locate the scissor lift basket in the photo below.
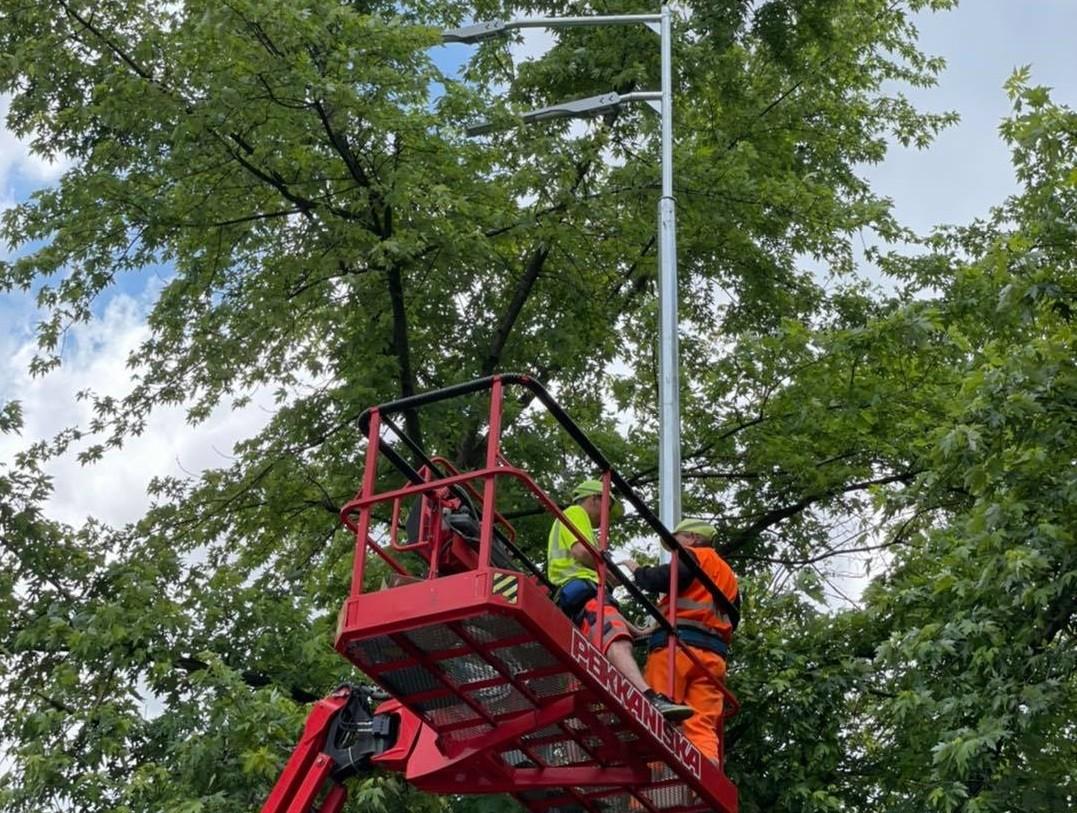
(499, 691)
(527, 704)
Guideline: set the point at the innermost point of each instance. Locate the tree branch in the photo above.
(402, 351)
(508, 319)
(116, 51)
(253, 679)
(739, 539)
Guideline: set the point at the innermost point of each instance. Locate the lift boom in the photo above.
(493, 689)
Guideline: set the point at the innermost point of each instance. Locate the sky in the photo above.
(958, 178)
(967, 169)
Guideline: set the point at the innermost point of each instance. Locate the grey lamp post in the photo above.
(669, 431)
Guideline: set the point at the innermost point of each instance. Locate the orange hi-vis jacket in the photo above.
(696, 607)
(705, 628)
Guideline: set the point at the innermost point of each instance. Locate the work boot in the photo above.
(674, 712)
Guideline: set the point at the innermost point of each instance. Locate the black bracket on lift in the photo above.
(357, 734)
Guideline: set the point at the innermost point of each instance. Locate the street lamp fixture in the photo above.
(575, 109)
(491, 29)
(479, 32)
(669, 432)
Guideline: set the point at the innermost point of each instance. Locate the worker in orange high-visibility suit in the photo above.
(704, 624)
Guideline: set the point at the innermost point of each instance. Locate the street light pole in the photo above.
(669, 407)
(669, 414)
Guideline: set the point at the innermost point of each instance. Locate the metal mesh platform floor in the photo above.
(474, 663)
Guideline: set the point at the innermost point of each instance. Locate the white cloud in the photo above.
(533, 44)
(17, 160)
(20, 168)
(967, 169)
(95, 357)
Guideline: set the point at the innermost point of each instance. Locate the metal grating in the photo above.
(382, 649)
(660, 772)
(542, 733)
(435, 638)
(526, 657)
(445, 710)
(552, 685)
(575, 723)
(670, 796)
(489, 628)
(500, 699)
(409, 680)
(464, 734)
(466, 676)
(561, 754)
(467, 669)
(515, 758)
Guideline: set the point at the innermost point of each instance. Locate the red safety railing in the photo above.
(438, 476)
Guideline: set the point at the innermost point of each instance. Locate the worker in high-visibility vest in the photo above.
(703, 623)
(571, 568)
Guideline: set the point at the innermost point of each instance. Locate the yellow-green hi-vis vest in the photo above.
(562, 565)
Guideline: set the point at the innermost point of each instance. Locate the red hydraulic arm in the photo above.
(339, 740)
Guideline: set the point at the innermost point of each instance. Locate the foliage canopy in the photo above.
(300, 170)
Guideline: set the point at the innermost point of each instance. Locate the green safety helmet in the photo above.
(697, 527)
(589, 488)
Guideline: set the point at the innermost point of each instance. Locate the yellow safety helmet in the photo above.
(590, 488)
(697, 527)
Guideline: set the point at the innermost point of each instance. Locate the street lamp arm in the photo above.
(570, 22)
(492, 29)
(641, 96)
(475, 33)
(574, 109)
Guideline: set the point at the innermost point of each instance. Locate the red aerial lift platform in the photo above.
(493, 689)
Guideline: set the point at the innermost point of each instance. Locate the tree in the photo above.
(953, 687)
(982, 600)
(331, 234)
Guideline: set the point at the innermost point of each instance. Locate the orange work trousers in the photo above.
(693, 686)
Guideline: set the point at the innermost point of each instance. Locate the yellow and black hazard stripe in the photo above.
(507, 586)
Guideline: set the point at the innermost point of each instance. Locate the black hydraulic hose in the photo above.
(430, 397)
(592, 451)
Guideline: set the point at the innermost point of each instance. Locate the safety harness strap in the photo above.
(691, 636)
